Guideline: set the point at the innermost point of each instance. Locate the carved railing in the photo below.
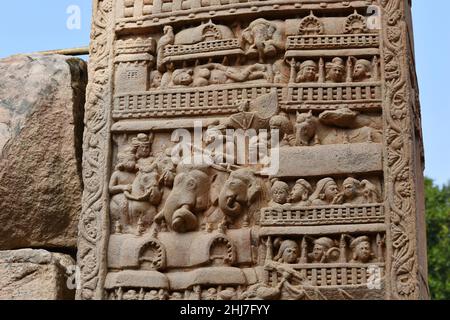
(333, 41)
(188, 101)
(337, 274)
(326, 215)
(203, 47)
(327, 96)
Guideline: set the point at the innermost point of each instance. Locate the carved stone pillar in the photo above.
(267, 158)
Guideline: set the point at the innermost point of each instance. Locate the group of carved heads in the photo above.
(336, 70)
(326, 192)
(323, 249)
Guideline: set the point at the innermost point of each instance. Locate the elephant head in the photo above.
(239, 192)
(190, 195)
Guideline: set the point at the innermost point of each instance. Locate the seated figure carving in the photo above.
(145, 195)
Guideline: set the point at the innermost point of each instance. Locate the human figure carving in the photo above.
(335, 71)
(300, 194)
(210, 294)
(222, 74)
(351, 193)
(308, 72)
(141, 149)
(288, 252)
(326, 193)
(130, 295)
(183, 77)
(362, 70)
(280, 193)
(120, 182)
(145, 195)
(282, 123)
(155, 79)
(361, 250)
(281, 72)
(324, 251)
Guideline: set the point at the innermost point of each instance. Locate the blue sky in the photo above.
(42, 26)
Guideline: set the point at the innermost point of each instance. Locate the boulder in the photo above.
(29, 274)
(41, 130)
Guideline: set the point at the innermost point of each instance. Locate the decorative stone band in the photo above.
(325, 215)
(200, 50)
(339, 159)
(179, 280)
(335, 275)
(333, 41)
(308, 96)
(141, 14)
(206, 101)
(188, 101)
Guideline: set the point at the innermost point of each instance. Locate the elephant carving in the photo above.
(263, 38)
(189, 197)
(238, 193)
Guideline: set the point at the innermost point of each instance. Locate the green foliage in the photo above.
(437, 201)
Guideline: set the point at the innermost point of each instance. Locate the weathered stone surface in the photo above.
(29, 274)
(41, 126)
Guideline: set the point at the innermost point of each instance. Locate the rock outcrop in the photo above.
(35, 275)
(41, 128)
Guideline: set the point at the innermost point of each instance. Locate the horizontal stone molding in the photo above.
(138, 15)
(326, 160)
(322, 230)
(312, 42)
(325, 215)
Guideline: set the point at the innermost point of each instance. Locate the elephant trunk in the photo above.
(229, 205)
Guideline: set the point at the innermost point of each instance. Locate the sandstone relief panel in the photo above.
(236, 150)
